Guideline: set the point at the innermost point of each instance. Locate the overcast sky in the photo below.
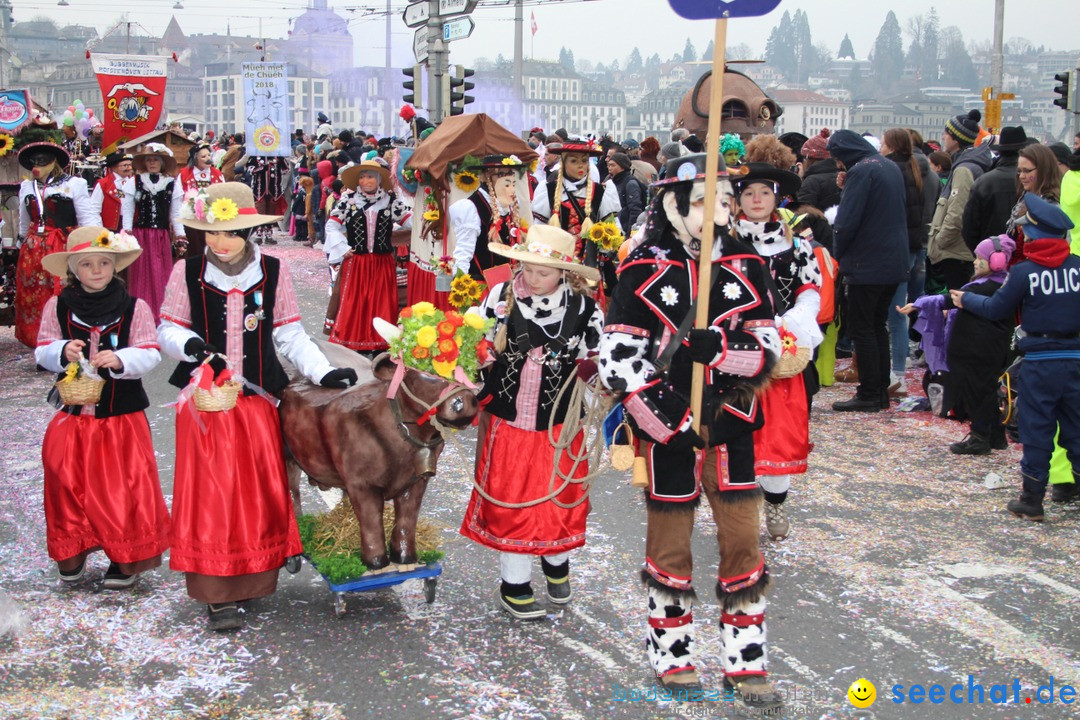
(596, 29)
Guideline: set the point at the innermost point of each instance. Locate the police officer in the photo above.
(1046, 288)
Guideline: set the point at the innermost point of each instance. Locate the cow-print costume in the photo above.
(656, 285)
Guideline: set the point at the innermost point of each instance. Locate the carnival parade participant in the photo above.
(267, 179)
(232, 310)
(575, 201)
(782, 446)
(529, 498)
(651, 371)
(1045, 287)
(114, 194)
(359, 234)
(101, 480)
(198, 173)
(489, 215)
(155, 221)
(51, 204)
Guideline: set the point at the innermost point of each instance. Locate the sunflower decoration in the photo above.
(465, 292)
(7, 142)
(606, 236)
(467, 181)
(431, 215)
(103, 240)
(224, 209)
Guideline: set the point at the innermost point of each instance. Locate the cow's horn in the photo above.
(388, 332)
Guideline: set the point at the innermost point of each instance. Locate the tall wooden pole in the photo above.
(712, 167)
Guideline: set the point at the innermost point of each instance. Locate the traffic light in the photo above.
(459, 86)
(1064, 90)
(414, 86)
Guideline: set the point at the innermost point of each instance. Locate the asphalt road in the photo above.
(902, 569)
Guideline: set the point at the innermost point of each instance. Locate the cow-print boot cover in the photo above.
(670, 642)
(742, 637)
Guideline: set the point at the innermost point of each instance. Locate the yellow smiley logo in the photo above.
(862, 693)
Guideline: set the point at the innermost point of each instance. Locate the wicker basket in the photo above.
(622, 454)
(82, 390)
(218, 398)
(790, 365)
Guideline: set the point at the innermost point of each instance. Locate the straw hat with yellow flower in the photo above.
(93, 239)
(223, 207)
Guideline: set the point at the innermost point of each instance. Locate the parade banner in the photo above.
(133, 90)
(266, 109)
(15, 110)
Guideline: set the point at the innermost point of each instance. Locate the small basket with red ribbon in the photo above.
(214, 394)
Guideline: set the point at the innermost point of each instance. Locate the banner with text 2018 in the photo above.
(133, 91)
(266, 109)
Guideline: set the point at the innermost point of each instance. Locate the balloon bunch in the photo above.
(81, 118)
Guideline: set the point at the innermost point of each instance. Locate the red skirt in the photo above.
(102, 488)
(421, 288)
(232, 511)
(782, 444)
(514, 466)
(149, 274)
(368, 290)
(34, 285)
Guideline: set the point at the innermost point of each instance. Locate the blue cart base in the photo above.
(428, 573)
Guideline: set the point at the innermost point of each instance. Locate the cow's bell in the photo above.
(424, 463)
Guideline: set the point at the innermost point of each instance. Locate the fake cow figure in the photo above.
(376, 441)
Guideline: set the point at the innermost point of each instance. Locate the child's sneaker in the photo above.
(523, 607)
(116, 580)
(73, 576)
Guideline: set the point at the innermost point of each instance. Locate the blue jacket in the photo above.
(870, 235)
(1050, 300)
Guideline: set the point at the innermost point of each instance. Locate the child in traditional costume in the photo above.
(782, 445)
(155, 221)
(234, 525)
(101, 479)
(526, 501)
(359, 233)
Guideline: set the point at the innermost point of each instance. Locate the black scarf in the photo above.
(100, 307)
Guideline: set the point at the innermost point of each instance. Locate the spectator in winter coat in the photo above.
(994, 194)
(951, 261)
(632, 193)
(870, 241)
(819, 173)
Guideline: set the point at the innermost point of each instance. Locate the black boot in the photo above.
(1064, 492)
(859, 404)
(1027, 506)
(973, 444)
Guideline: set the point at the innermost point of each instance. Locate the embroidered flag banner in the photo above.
(133, 89)
(266, 109)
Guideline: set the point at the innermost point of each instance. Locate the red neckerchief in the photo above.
(1048, 252)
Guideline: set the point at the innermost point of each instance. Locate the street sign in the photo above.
(416, 14)
(420, 44)
(704, 9)
(458, 28)
(458, 7)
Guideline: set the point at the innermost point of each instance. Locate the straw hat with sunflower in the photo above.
(94, 239)
(223, 207)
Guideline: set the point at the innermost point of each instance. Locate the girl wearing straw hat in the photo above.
(154, 217)
(359, 233)
(545, 327)
(51, 203)
(101, 479)
(234, 525)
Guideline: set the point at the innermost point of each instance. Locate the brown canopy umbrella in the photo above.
(461, 135)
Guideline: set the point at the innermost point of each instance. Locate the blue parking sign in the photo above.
(705, 9)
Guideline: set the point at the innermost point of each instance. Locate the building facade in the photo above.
(808, 112)
(223, 88)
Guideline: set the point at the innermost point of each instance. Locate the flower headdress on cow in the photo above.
(449, 344)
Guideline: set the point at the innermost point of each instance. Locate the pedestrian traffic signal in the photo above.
(459, 87)
(414, 86)
(1064, 90)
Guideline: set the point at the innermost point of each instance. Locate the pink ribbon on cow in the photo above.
(399, 375)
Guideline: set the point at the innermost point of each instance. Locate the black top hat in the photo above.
(691, 168)
(115, 158)
(28, 151)
(794, 142)
(1011, 138)
(785, 182)
(583, 147)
